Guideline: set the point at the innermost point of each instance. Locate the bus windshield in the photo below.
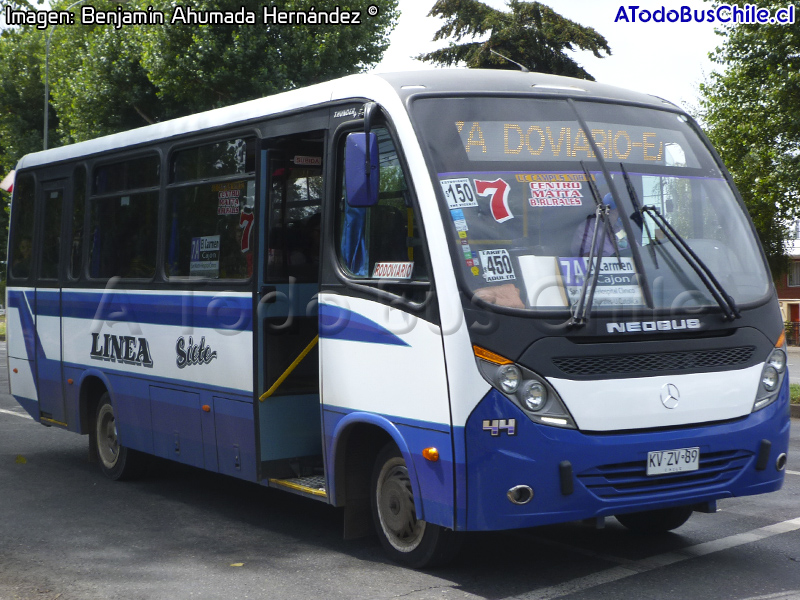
(522, 183)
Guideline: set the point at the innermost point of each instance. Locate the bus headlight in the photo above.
(530, 392)
(772, 376)
(769, 378)
(777, 360)
(533, 395)
(508, 378)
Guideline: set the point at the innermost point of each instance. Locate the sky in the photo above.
(668, 60)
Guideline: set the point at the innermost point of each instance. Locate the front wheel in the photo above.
(406, 539)
(116, 462)
(656, 521)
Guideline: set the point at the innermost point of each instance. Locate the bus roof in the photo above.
(374, 86)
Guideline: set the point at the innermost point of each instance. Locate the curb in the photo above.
(795, 411)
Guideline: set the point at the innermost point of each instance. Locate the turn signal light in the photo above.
(431, 454)
(490, 356)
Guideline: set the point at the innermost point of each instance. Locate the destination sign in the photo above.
(566, 140)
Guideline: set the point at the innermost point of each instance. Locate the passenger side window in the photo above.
(123, 222)
(210, 202)
(21, 245)
(51, 239)
(381, 242)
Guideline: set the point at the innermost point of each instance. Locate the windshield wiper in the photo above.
(723, 298)
(584, 304)
(637, 207)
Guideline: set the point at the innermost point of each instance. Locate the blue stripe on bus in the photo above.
(234, 313)
(342, 324)
(16, 299)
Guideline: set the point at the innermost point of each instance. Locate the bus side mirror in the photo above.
(361, 172)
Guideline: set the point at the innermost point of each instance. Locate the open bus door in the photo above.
(286, 315)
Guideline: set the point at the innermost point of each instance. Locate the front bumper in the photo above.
(607, 471)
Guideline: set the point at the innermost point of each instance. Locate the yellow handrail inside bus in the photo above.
(289, 370)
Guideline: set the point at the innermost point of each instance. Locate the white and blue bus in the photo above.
(445, 301)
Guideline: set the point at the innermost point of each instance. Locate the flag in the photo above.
(7, 185)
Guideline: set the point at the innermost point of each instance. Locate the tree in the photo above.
(531, 34)
(97, 84)
(135, 75)
(751, 110)
(21, 106)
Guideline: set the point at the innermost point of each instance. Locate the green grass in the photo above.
(794, 392)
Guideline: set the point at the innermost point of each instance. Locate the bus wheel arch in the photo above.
(116, 461)
(97, 418)
(92, 388)
(358, 439)
(405, 536)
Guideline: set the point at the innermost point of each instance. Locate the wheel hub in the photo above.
(396, 509)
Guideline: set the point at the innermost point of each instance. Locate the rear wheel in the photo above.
(406, 539)
(656, 521)
(116, 462)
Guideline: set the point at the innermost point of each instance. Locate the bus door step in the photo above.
(311, 487)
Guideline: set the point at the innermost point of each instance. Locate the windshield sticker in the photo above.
(496, 265)
(497, 192)
(556, 193)
(470, 256)
(458, 219)
(458, 193)
(616, 283)
(393, 270)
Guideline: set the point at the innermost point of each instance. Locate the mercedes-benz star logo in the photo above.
(670, 396)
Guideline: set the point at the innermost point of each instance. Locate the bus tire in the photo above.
(656, 521)
(406, 540)
(116, 462)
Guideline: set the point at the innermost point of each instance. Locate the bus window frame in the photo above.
(369, 287)
(44, 186)
(117, 158)
(71, 279)
(254, 131)
(31, 278)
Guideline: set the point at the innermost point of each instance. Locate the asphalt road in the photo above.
(67, 533)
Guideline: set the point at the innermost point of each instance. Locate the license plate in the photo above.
(661, 462)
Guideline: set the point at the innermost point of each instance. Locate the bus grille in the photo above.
(654, 362)
(629, 480)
